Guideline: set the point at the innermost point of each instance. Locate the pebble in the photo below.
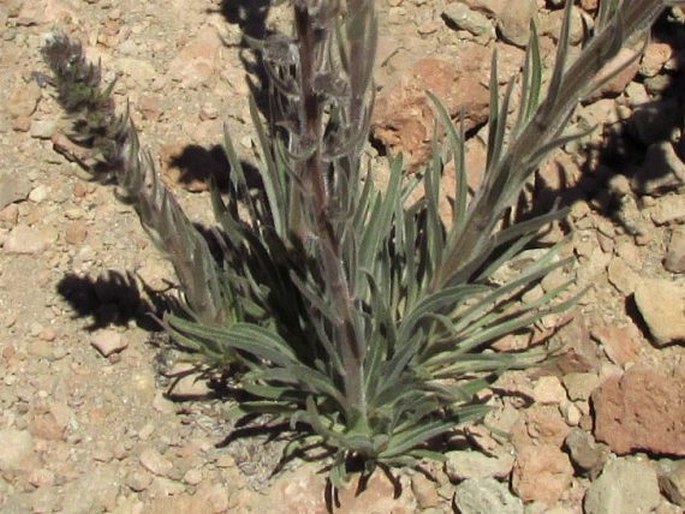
(108, 342)
(661, 303)
(464, 465)
(23, 239)
(14, 187)
(671, 476)
(486, 496)
(16, 446)
(43, 129)
(586, 454)
(675, 255)
(625, 485)
(155, 462)
(548, 390)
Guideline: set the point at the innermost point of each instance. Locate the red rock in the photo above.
(622, 344)
(403, 118)
(541, 473)
(542, 424)
(642, 410)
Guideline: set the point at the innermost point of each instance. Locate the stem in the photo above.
(313, 36)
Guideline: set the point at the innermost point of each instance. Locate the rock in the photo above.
(155, 462)
(196, 64)
(622, 276)
(661, 170)
(552, 25)
(491, 8)
(662, 306)
(625, 485)
(541, 473)
(96, 490)
(403, 116)
(425, 491)
(622, 344)
(675, 255)
(215, 495)
(542, 424)
(623, 67)
(577, 353)
(548, 390)
(43, 129)
(16, 446)
(26, 240)
(669, 209)
(587, 455)
(642, 410)
(179, 503)
(485, 496)
(654, 122)
(23, 100)
(579, 386)
(108, 342)
(671, 476)
(514, 21)
(470, 20)
(187, 383)
(655, 56)
(464, 465)
(138, 480)
(14, 187)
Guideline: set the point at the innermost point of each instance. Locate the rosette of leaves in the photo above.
(361, 318)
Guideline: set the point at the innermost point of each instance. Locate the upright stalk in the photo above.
(314, 22)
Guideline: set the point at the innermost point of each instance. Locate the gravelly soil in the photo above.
(88, 433)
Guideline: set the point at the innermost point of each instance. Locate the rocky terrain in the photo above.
(86, 424)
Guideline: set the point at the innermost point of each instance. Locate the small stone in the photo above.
(655, 56)
(76, 232)
(193, 476)
(571, 413)
(622, 276)
(24, 100)
(662, 305)
(150, 107)
(622, 344)
(671, 477)
(463, 465)
(514, 21)
(486, 496)
(43, 129)
(425, 491)
(14, 187)
(669, 209)
(470, 20)
(216, 496)
(548, 390)
(26, 240)
(661, 170)
(155, 462)
(208, 112)
(675, 255)
(138, 481)
(108, 342)
(541, 473)
(586, 454)
(625, 485)
(39, 193)
(16, 446)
